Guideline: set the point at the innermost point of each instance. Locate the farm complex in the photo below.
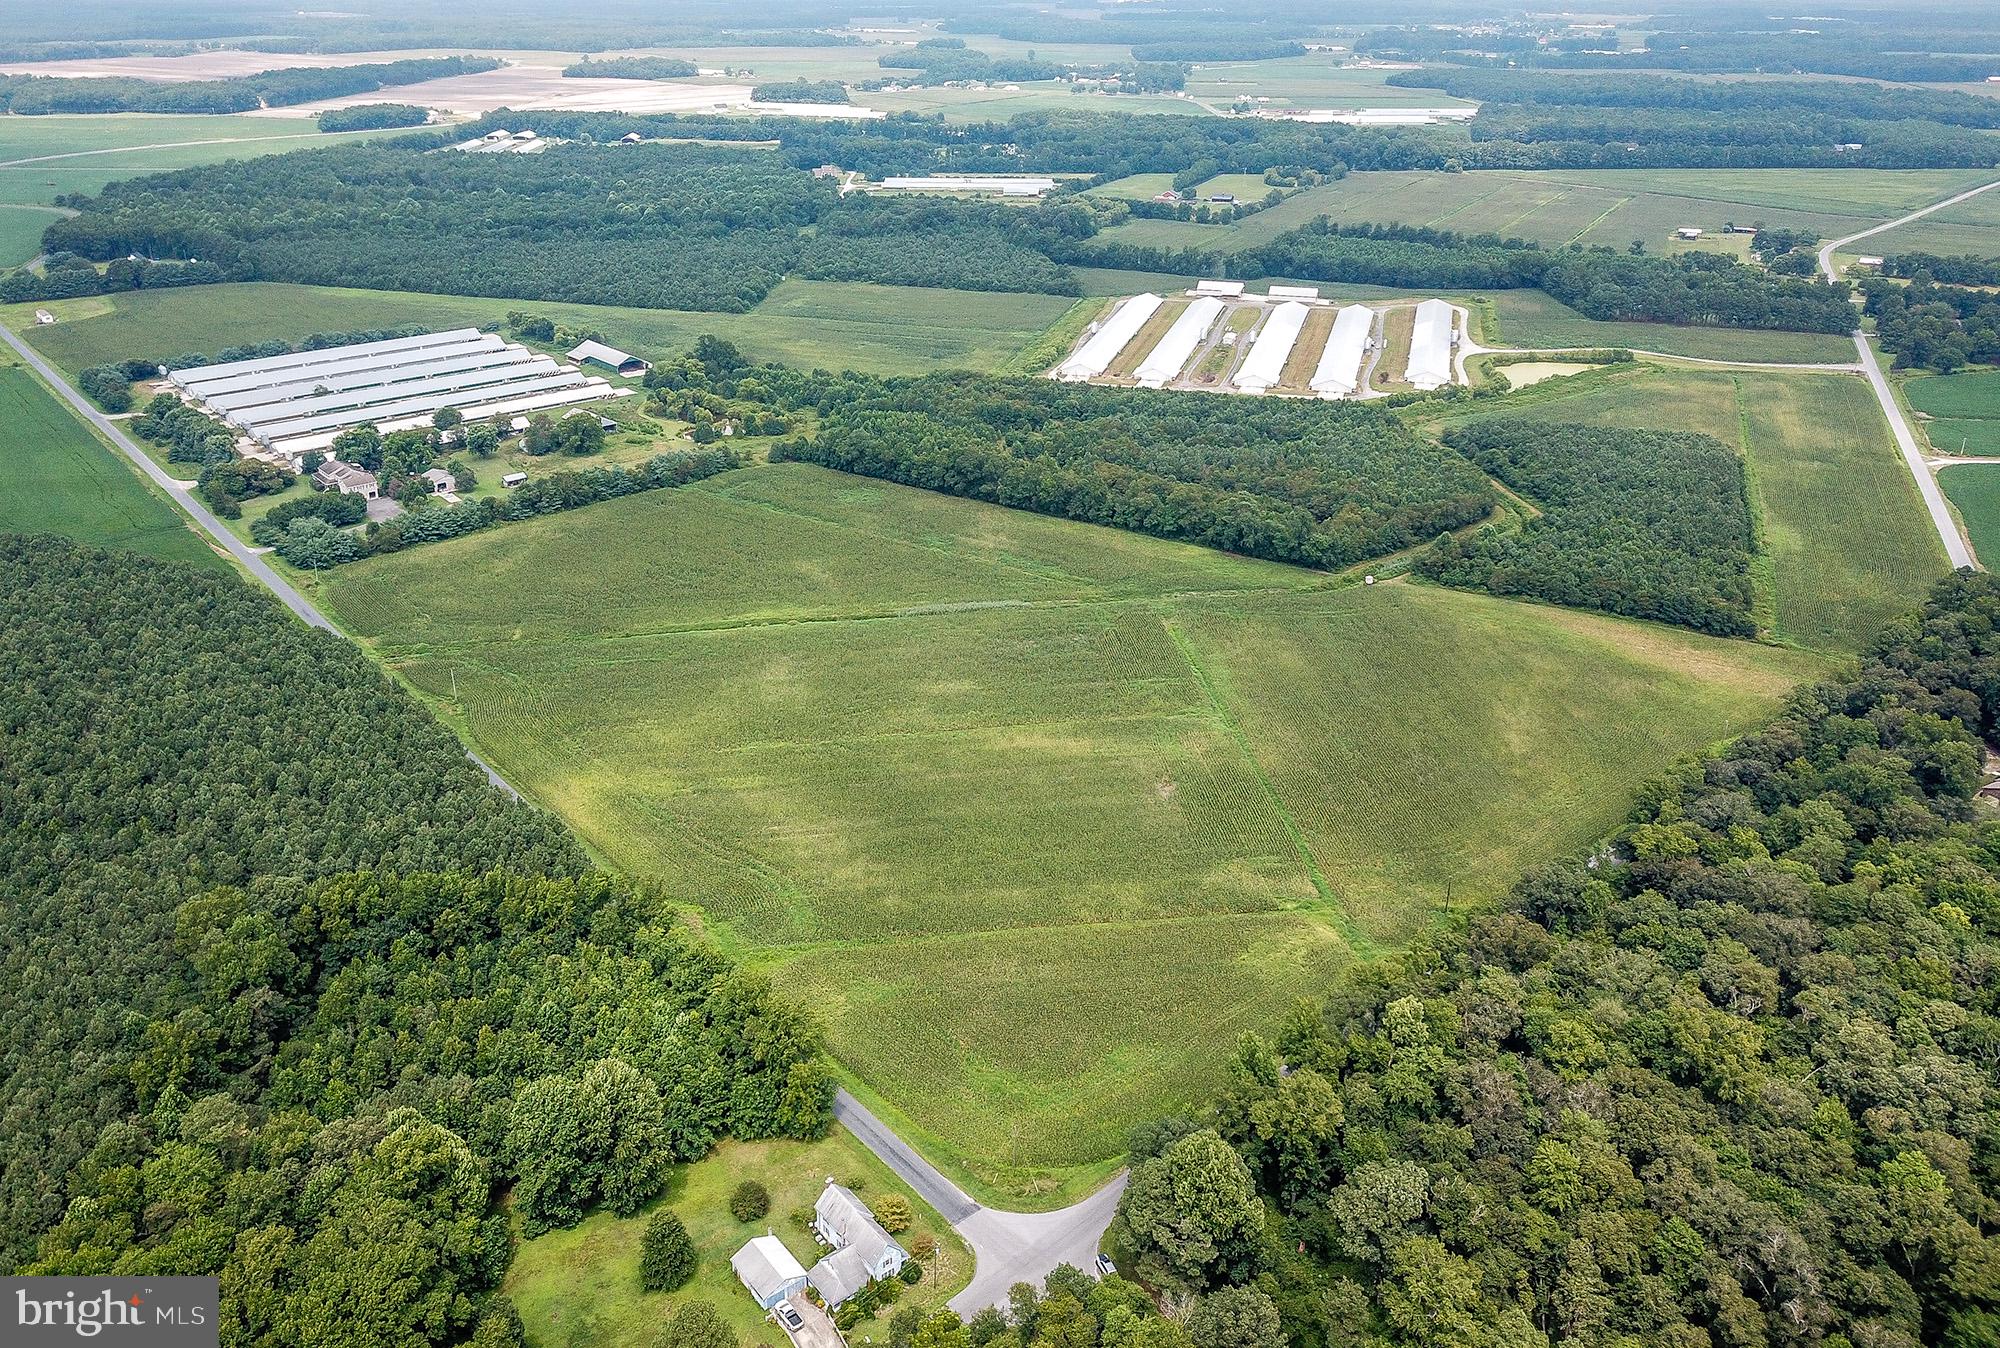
(1288, 342)
(294, 405)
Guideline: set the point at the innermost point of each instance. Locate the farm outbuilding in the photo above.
(1265, 365)
(1171, 355)
(610, 357)
(1430, 346)
(296, 404)
(1339, 370)
(1094, 357)
(987, 185)
(1226, 289)
(768, 1271)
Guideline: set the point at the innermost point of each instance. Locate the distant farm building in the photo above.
(610, 357)
(1265, 365)
(1338, 373)
(1294, 292)
(989, 185)
(513, 479)
(1429, 365)
(1687, 232)
(439, 481)
(506, 142)
(296, 404)
(1227, 289)
(1181, 341)
(1224, 198)
(1094, 357)
(1872, 263)
(44, 317)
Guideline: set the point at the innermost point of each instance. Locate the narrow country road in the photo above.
(245, 556)
(1007, 1247)
(1906, 440)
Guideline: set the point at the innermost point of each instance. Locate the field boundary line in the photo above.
(1358, 941)
(1763, 567)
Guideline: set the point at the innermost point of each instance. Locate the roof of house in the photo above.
(841, 1274)
(439, 475)
(764, 1266)
(335, 473)
(841, 1211)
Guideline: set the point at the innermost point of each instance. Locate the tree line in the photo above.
(633, 68)
(1644, 523)
(373, 117)
(1934, 327)
(29, 95)
(1730, 1081)
(353, 993)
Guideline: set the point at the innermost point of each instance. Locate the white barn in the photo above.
(1430, 346)
(1339, 371)
(1094, 357)
(1170, 357)
(1265, 365)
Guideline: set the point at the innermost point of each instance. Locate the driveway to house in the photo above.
(1007, 1247)
(817, 1331)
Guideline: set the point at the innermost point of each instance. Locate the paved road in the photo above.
(1007, 1247)
(1941, 518)
(246, 556)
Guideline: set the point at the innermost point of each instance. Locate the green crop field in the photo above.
(581, 1285)
(1969, 227)
(21, 232)
(1529, 318)
(1849, 543)
(1559, 207)
(834, 324)
(1962, 411)
(1974, 489)
(1315, 80)
(61, 479)
(1134, 796)
(41, 157)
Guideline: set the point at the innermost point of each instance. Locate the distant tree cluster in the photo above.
(352, 993)
(1964, 269)
(373, 117)
(26, 95)
(1302, 481)
(633, 68)
(66, 275)
(1649, 524)
(801, 91)
(660, 226)
(1730, 1082)
(1934, 327)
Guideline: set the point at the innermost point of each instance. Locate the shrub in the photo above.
(697, 1324)
(912, 1273)
(893, 1211)
(666, 1254)
(924, 1246)
(749, 1202)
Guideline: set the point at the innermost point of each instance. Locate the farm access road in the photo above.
(1007, 1247)
(1941, 517)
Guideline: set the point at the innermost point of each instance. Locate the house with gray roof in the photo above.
(862, 1250)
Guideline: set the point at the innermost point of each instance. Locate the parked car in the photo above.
(789, 1317)
(1105, 1268)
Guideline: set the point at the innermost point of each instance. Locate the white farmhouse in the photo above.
(862, 1250)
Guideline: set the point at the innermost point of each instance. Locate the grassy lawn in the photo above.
(62, 479)
(1849, 543)
(1974, 490)
(581, 1286)
(834, 324)
(1137, 795)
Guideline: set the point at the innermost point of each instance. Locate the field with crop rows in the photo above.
(1961, 411)
(61, 479)
(1035, 812)
(1969, 227)
(1974, 490)
(838, 325)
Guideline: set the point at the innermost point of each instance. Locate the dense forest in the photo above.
(1649, 524)
(229, 1079)
(1728, 1082)
(633, 68)
(1934, 327)
(658, 226)
(26, 95)
(373, 117)
(1318, 483)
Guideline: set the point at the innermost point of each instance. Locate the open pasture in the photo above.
(834, 324)
(61, 479)
(1848, 542)
(1138, 795)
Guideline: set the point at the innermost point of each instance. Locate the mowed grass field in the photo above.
(1974, 491)
(61, 479)
(1963, 411)
(1037, 814)
(839, 325)
(1848, 542)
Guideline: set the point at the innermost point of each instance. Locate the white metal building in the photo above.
(1170, 357)
(296, 404)
(1339, 371)
(1294, 292)
(1227, 289)
(1265, 365)
(1430, 346)
(1094, 357)
(1001, 186)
